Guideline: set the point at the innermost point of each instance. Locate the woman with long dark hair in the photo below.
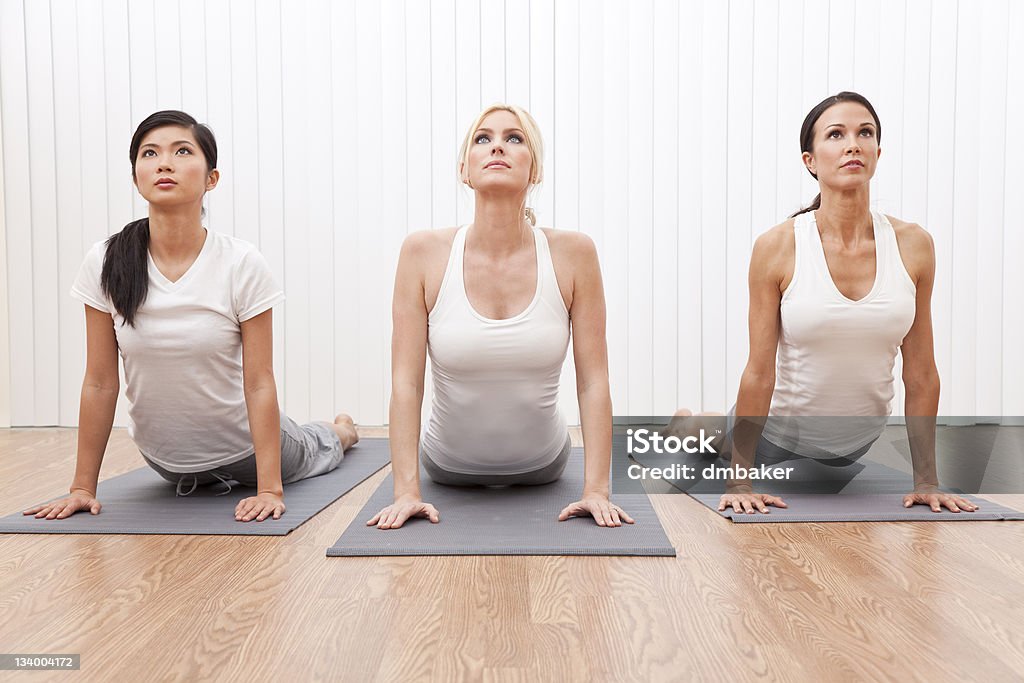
(835, 292)
(189, 310)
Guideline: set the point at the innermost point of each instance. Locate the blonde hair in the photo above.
(534, 142)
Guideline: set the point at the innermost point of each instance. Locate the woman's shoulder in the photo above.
(570, 242)
(776, 240)
(916, 247)
(428, 243)
(912, 233)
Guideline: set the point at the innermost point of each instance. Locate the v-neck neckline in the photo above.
(170, 285)
(828, 273)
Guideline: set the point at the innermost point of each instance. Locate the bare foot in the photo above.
(346, 430)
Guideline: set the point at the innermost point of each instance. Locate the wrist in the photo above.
(739, 487)
(83, 489)
(601, 492)
(279, 492)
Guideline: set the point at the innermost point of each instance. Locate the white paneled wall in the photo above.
(672, 140)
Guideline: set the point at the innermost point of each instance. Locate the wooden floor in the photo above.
(817, 602)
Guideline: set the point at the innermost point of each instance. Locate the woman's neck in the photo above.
(176, 233)
(847, 213)
(499, 224)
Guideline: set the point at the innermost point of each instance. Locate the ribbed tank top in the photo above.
(495, 404)
(836, 355)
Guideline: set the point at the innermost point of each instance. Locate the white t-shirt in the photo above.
(183, 358)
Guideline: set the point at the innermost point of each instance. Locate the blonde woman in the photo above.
(495, 303)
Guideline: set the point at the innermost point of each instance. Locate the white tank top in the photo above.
(836, 355)
(495, 405)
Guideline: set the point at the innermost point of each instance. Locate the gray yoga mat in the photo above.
(141, 502)
(886, 507)
(516, 520)
(866, 491)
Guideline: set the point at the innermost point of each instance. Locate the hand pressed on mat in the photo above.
(937, 499)
(604, 512)
(65, 507)
(404, 508)
(259, 507)
(749, 502)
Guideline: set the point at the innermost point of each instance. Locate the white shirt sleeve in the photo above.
(255, 289)
(87, 287)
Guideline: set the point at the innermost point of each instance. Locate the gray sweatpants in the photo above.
(307, 451)
(544, 475)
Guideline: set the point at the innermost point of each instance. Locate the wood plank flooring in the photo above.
(881, 601)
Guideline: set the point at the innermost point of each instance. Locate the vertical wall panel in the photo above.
(446, 134)
(741, 157)
(616, 211)
(938, 216)
(270, 165)
(992, 161)
(563, 141)
(1013, 246)
(193, 54)
(843, 44)
(394, 185)
(120, 124)
(296, 141)
(517, 50)
(467, 85)
(665, 162)
(492, 52)
(542, 101)
(373, 308)
(220, 99)
(962, 384)
(321, 213)
(167, 55)
(141, 70)
(690, 152)
(638, 196)
(671, 133)
(43, 192)
(348, 289)
(242, 159)
(715, 193)
(793, 106)
(5, 328)
(18, 212)
(69, 173)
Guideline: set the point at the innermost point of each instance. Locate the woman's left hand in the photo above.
(259, 507)
(604, 512)
(937, 499)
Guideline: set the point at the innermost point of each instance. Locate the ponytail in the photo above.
(814, 206)
(125, 275)
(531, 216)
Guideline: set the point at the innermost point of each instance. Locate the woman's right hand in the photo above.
(747, 502)
(396, 514)
(65, 507)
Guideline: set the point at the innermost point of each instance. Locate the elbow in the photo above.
(405, 392)
(922, 383)
(104, 383)
(594, 386)
(255, 384)
(760, 380)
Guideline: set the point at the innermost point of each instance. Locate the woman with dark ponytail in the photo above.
(189, 310)
(835, 292)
